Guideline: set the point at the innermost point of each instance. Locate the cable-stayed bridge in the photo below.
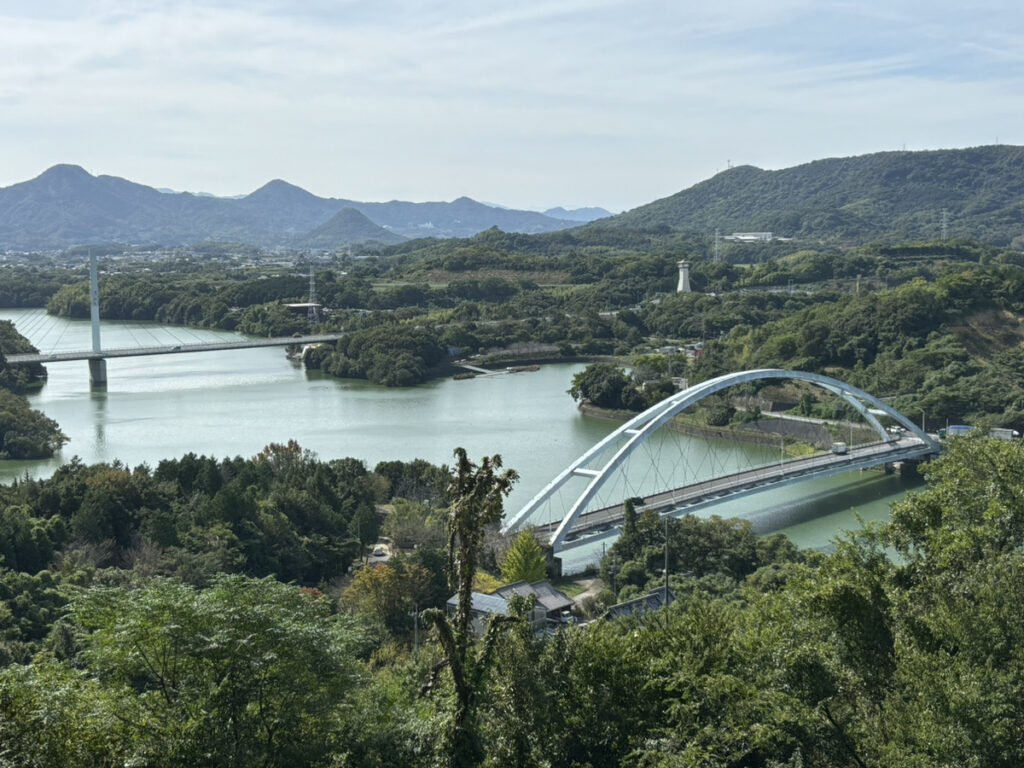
(55, 349)
(97, 356)
(650, 459)
(172, 349)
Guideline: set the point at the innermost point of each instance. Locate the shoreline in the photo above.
(756, 437)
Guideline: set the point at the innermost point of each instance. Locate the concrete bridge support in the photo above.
(97, 372)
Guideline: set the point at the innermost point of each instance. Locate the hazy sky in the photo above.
(528, 104)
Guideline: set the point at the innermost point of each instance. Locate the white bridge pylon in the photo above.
(637, 430)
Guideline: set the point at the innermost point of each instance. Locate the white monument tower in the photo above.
(684, 277)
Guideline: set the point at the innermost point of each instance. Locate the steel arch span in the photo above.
(637, 430)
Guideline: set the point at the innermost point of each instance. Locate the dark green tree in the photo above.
(242, 673)
(477, 493)
(600, 384)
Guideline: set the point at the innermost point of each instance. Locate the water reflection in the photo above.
(98, 399)
(862, 490)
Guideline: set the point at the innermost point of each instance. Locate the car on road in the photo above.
(378, 551)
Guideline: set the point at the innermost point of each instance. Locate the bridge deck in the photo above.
(172, 349)
(707, 492)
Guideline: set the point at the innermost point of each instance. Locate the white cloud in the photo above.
(529, 103)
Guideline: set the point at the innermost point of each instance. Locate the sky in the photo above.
(527, 104)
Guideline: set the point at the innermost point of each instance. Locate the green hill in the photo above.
(886, 196)
(348, 226)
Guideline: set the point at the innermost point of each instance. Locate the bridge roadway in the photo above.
(708, 492)
(175, 349)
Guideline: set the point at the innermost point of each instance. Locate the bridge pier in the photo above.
(97, 372)
(911, 468)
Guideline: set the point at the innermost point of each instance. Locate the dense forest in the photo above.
(186, 614)
(882, 197)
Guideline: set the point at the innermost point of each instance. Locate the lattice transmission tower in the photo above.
(313, 315)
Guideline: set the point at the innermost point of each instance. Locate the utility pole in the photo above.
(666, 560)
(945, 224)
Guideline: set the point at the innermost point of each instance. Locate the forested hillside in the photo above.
(886, 196)
(975, 193)
(138, 628)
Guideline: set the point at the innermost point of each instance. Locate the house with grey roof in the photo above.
(553, 601)
(551, 606)
(641, 606)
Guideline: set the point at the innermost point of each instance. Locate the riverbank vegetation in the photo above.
(934, 325)
(902, 319)
(25, 433)
(146, 618)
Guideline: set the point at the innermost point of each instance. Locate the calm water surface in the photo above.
(234, 403)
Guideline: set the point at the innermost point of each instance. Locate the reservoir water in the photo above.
(234, 403)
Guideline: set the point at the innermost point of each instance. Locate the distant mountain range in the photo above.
(975, 193)
(578, 214)
(67, 206)
(885, 196)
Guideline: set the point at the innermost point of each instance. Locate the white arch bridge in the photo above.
(673, 475)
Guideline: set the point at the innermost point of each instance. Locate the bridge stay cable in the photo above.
(97, 356)
(612, 456)
(31, 320)
(38, 324)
